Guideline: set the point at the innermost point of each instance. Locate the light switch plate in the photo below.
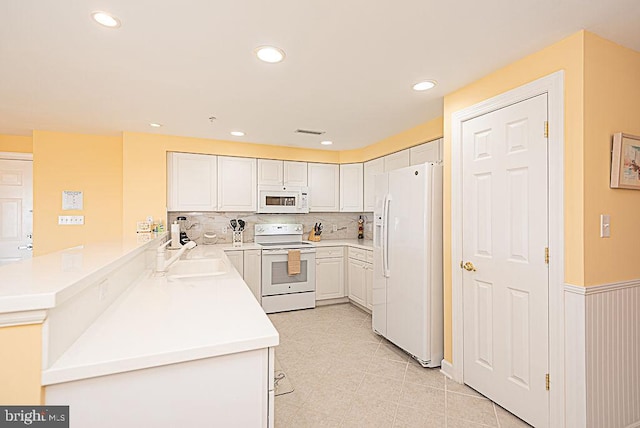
(71, 220)
(605, 226)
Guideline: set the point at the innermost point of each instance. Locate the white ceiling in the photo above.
(349, 68)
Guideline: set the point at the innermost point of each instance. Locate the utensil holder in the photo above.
(237, 238)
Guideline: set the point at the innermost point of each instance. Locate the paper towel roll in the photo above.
(175, 235)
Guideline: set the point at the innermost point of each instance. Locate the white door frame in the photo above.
(553, 85)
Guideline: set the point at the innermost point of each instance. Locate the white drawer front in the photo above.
(358, 254)
(325, 252)
(369, 256)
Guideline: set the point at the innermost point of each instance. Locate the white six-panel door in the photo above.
(505, 233)
(16, 210)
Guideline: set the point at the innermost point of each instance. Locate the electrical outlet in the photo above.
(225, 229)
(335, 228)
(103, 290)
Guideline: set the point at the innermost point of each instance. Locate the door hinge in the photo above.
(546, 381)
(546, 129)
(546, 255)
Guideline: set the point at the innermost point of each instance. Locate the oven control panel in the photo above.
(278, 229)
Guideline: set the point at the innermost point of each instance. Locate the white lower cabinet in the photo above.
(357, 281)
(360, 277)
(237, 260)
(368, 285)
(329, 273)
(228, 390)
(253, 271)
(248, 263)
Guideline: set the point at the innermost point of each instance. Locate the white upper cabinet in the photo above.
(237, 183)
(295, 173)
(371, 168)
(427, 152)
(191, 182)
(324, 187)
(351, 187)
(279, 173)
(396, 160)
(270, 172)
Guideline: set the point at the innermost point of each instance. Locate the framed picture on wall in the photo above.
(625, 162)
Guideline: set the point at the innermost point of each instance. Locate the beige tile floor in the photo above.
(345, 375)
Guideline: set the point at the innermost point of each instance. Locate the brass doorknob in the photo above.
(468, 266)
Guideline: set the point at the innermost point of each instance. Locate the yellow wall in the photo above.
(612, 104)
(427, 131)
(90, 163)
(15, 143)
(145, 175)
(565, 55)
(20, 364)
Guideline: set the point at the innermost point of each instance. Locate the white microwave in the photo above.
(283, 200)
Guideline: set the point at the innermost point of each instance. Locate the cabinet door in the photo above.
(191, 182)
(396, 160)
(237, 260)
(324, 187)
(351, 187)
(295, 173)
(427, 152)
(329, 278)
(237, 184)
(368, 284)
(356, 275)
(253, 271)
(371, 168)
(270, 172)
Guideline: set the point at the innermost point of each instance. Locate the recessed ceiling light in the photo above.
(155, 125)
(269, 54)
(326, 143)
(424, 86)
(103, 18)
(237, 133)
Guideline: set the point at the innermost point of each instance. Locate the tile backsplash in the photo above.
(213, 222)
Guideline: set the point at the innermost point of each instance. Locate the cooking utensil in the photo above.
(234, 224)
(241, 223)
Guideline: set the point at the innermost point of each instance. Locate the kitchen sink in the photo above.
(197, 268)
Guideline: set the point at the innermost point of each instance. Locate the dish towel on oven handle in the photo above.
(293, 262)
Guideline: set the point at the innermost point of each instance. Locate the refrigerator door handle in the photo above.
(385, 237)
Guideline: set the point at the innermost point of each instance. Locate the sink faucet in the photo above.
(162, 265)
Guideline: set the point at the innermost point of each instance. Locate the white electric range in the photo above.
(281, 291)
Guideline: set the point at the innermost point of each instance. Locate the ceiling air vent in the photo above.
(309, 132)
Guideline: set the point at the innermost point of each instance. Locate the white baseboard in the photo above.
(446, 368)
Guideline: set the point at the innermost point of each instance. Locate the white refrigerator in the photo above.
(407, 265)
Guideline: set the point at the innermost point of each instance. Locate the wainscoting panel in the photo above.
(611, 352)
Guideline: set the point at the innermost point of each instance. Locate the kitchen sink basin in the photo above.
(197, 268)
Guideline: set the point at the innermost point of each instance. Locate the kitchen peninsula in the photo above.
(119, 344)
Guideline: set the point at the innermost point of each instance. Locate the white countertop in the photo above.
(46, 281)
(365, 244)
(157, 322)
